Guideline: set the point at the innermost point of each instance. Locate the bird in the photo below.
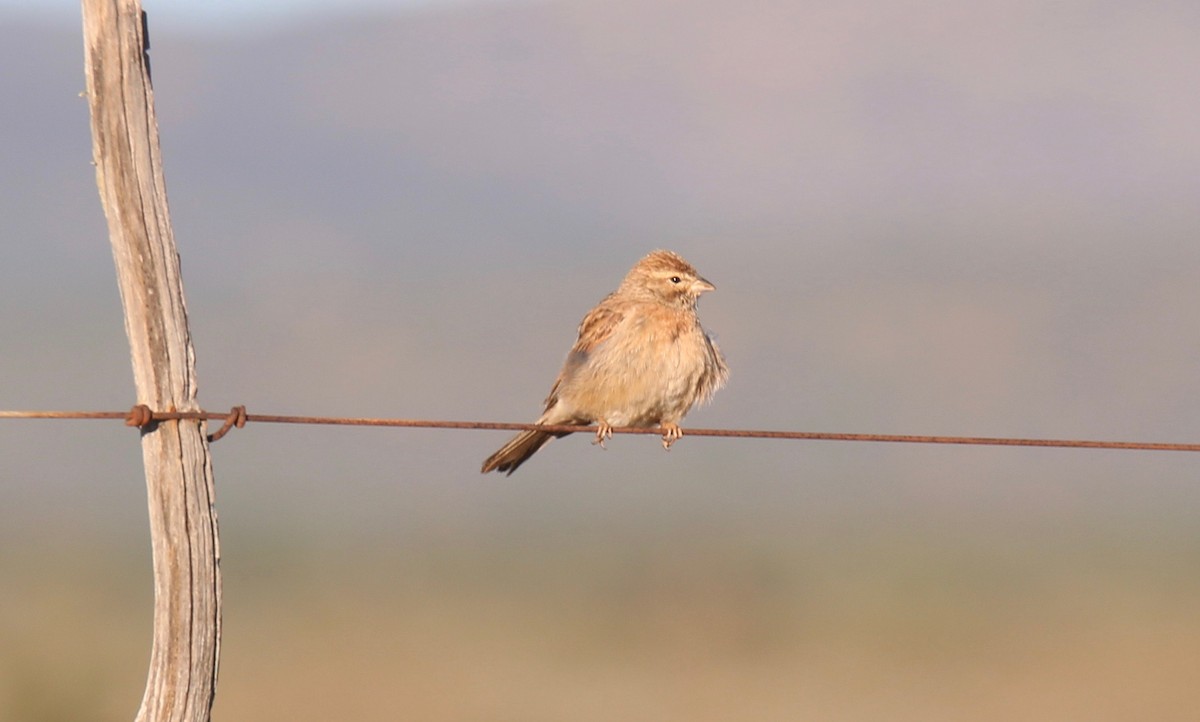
(641, 360)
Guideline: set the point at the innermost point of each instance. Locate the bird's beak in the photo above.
(701, 285)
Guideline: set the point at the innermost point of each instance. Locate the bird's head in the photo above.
(666, 277)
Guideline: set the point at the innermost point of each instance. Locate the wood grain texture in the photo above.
(183, 525)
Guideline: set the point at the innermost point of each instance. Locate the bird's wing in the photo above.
(716, 371)
(594, 329)
(597, 326)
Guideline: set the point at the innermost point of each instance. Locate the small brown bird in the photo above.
(642, 359)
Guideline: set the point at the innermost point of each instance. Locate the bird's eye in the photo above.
(676, 279)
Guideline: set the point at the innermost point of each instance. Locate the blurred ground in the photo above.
(851, 622)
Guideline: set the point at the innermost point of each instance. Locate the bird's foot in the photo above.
(671, 434)
(603, 433)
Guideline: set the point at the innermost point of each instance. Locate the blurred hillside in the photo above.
(920, 217)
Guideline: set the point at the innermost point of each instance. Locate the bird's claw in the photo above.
(671, 434)
(603, 432)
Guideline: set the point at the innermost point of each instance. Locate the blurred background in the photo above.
(922, 217)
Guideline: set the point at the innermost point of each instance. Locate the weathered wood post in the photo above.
(179, 481)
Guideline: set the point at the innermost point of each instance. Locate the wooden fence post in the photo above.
(179, 481)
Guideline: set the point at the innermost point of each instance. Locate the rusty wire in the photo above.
(142, 416)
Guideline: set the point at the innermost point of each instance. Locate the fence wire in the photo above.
(141, 416)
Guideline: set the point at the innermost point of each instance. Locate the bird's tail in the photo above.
(518, 450)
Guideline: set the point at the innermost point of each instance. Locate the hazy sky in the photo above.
(214, 12)
(921, 218)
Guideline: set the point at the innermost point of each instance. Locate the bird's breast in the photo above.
(645, 371)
